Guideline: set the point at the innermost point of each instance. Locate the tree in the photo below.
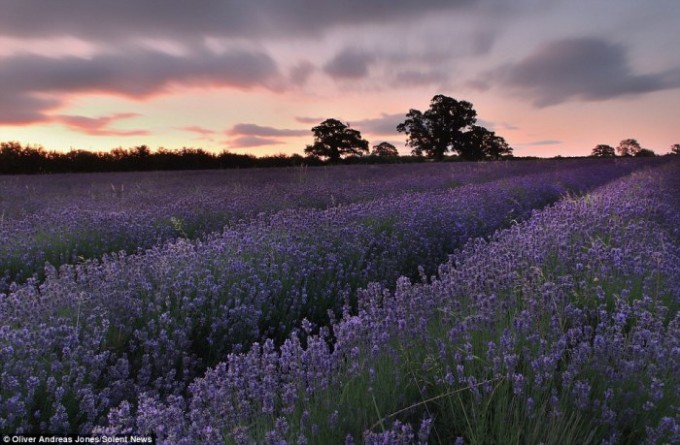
(603, 151)
(675, 149)
(628, 147)
(440, 128)
(385, 149)
(480, 143)
(14, 158)
(645, 153)
(333, 139)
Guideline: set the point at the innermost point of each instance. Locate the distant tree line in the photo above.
(447, 131)
(31, 159)
(448, 126)
(627, 148)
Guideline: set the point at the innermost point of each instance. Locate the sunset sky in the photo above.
(551, 77)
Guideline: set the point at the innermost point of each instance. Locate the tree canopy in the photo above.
(449, 125)
(628, 147)
(333, 139)
(603, 151)
(480, 143)
(384, 149)
(645, 153)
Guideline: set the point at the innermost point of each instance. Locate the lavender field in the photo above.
(527, 302)
(69, 218)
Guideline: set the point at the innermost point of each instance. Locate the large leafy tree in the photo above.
(449, 125)
(603, 151)
(675, 149)
(480, 143)
(440, 128)
(333, 139)
(628, 147)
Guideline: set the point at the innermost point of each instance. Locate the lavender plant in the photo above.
(562, 329)
(63, 219)
(96, 335)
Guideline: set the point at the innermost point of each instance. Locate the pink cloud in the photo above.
(98, 126)
(198, 130)
(252, 141)
(259, 130)
(137, 74)
(310, 119)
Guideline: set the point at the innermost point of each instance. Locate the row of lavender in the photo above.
(95, 334)
(68, 218)
(562, 329)
(65, 218)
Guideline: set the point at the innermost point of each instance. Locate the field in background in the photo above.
(237, 305)
(67, 218)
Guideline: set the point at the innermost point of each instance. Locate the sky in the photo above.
(552, 78)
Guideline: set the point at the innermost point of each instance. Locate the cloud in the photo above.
(105, 21)
(204, 134)
(135, 74)
(300, 73)
(391, 66)
(482, 41)
(198, 130)
(386, 124)
(138, 49)
(252, 141)
(253, 135)
(349, 64)
(396, 63)
(309, 119)
(98, 126)
(22, 108)
(541, 142)
(53, 47)
(588, 69)
(412, 77)
(383, 125)
(494, 126)
(258, 130)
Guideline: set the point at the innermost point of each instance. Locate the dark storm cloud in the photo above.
(106, 20)
(349, 64)
(135, 74)
(581, 68)
(259, 130)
